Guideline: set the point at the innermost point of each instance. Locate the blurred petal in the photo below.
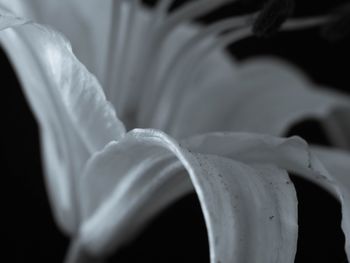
(7, 19)
(75, 118)
(250, 211)
(337, 126)
(152, 42)
(338, 164)
(161, 89)
(84, 22)
(124, 44)
(263, 96)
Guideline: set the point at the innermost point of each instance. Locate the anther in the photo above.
(272, 16)
(339, 26)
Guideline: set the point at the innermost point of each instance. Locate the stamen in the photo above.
(192, 10)
(272, 16)
(125, 108)
(192, 69)
(253, 4)
(188, 79)
(185, 55)
(118, 92)
(153, 50)
(164, 5)
(339, 26)
(113, 46)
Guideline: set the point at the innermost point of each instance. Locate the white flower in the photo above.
(161, 72)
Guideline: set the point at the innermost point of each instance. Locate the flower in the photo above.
(105, 184)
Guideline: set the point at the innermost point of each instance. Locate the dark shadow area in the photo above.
(320, 238)
(325, 63)
(319, 213)
(28, 231)
(311, 131)
(302, 8)
(178, 234)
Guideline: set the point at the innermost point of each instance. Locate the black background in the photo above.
(177, 235)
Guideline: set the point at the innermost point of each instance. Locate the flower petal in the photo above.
(250, 210)
(126, 46)
(167, 81)
(75, 118)
(291, 154)
(143, 62)
(263, 96)
(7, 19)
(326, 168)
(84, 22)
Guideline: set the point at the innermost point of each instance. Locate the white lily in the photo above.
(160, 71)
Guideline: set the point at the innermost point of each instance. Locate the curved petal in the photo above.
(338, 164)
(139, 178)
(263, 96)
(75, 118)
(291, 154)
(250, 211)
(84, 22)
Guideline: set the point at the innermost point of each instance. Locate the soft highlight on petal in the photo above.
(75, 118)
(84, 22)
